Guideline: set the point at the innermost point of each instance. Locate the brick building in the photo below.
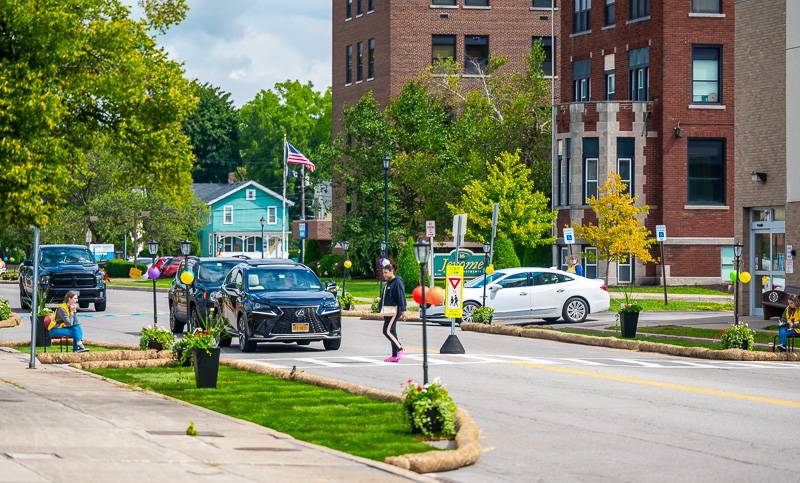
(648, 93)
(380, 45)
(767, 207)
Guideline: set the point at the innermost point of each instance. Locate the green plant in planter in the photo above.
(156, 334)
(374, 307)
(206, 337)
(429, 409)
(5, 309)
(483, 315)
(738, 337)
(347, 301)
(629, 303)
(41, 302)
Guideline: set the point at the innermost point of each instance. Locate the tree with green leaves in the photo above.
(524, 216)
(76, 74)
(213, 130)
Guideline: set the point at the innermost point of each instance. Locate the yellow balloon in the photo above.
(744, 277)
(348, 264)
(490, 270)
(187, 277)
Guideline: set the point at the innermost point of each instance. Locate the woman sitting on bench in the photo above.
(66, 322)
(790, 322)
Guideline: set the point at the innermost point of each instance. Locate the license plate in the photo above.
(300, 328)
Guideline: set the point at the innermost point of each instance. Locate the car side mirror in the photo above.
(332, 288)
(494, 287)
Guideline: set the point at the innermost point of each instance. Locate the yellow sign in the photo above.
(454, 292)
(134, 272)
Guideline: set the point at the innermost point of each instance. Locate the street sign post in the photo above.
(430, 232)
(459, 229)
(661, 237)
(569, 238)
(495, 218)
(452, 345)
(454, 292)
(302, 231)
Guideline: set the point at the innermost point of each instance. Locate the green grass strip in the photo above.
(679, 342)
(674, 305)
(329, 417)
(684, 290)
(764, 337)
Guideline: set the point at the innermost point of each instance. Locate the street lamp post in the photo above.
(422, 252)
(263, 222)
(345, 246)
(380, 279)
(152, 247)
(487, 247)
(387, 162)
(186, 249)
(737, 255)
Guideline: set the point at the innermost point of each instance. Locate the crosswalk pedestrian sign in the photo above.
(454, 292)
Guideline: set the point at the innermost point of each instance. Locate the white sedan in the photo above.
(534, 293)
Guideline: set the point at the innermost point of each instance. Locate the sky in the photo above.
(244, 46)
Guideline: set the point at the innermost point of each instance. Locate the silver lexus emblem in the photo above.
(773, 297)
(299, 313)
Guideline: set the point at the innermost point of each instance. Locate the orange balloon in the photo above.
(417, 294)
(435, 296)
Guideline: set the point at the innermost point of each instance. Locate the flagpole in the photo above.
(284, 244)
(303, 213)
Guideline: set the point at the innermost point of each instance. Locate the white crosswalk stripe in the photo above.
(584, 362)
(638, 363)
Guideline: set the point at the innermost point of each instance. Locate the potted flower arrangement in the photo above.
(202, 346)
(347, 301)
(738, 337)
(155, 338)
(628, 315)
(483, 315)
(178, 347)
(5, 309)
(429, 409)
(43, 318)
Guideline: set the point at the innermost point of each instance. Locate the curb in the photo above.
(635, 345)
(679, 337)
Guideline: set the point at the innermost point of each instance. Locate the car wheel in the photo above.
(332, 344)
(175, 326)
(100, 306)
(303, 342)
(23, 302)
(551, 320)
(469, 307)
(193, 318)
(575, 310)
(245, 344)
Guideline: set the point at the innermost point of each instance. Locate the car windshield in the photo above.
(66, 256)
(282, 279)
(478, 282)
(214, 272)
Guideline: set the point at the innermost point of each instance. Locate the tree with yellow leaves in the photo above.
(620, 232)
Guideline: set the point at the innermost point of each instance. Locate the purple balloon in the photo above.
(153, 273)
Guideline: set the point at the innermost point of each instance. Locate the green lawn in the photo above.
(659, 340)
(329, 417)
(678, 305)
(138, 282)
(764, 337)
(673, 290)
(67, 348)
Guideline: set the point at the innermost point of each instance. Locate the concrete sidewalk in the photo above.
(62, 425)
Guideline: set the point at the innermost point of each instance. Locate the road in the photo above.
(559, 412)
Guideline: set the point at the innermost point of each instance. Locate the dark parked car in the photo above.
(279, 301)
(209, 273)
(63, 268)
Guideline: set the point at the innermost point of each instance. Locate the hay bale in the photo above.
(14, 321)
(125, 364)
(117, 355)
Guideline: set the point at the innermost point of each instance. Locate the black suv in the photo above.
(63, 268)
(209, 273)
(279, 301)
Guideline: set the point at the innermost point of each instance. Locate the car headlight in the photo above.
(329, 306)
(266, 309)
(44, 279)
(101, 277)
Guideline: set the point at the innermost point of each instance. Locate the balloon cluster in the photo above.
(187, 277)
(348, 264)
(433, 296)
(153, 273)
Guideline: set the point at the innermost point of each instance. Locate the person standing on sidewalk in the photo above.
(574, 265)
(392, 305)
(790, 322)
(66, 322)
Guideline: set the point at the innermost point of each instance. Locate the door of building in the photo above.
(767, 255)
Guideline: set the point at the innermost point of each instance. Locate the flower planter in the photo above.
(746, 345)
(629, 321)
(206, 368)
(436, 422)
(41, 333)
(154, 344)
(179, 355)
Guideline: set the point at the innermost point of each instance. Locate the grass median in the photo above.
(677, 290)
(761, 336)
(329, 417)
(650, 305)
(138, 282)
(660, 340)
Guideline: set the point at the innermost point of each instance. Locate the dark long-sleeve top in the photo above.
(394, 295)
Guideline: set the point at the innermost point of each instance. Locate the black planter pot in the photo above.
(206, 368)
(41, 333)
(629, 321)
(153, 344)
(746, 345)
(179, 355)
(436, 423)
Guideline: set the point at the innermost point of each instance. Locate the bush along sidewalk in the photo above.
(738, 337)
(429, 409)
(156, 338)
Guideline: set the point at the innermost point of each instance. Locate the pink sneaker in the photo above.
(400, 355)
(390, 359)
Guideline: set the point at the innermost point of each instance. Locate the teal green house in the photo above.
(238, 214)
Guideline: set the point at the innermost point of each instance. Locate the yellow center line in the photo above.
(663, 385)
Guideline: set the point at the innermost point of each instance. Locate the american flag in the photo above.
(293, 156)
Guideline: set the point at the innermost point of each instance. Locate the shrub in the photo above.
(5, 309)
(738, 337)
(483, 315)
(313, 252)
(504, 254)
(10, 275)
(330, 265)
(374, 307)
(430, 409)
(122, 268)
(407, 266)
(156, 334)
(347, 301)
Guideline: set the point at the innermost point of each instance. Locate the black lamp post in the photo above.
(737, 256)
(380, 269)
(186, 249)
(387, 162)
(345, 246)
(263, 222)
(152, 247)
(422, 251)
(487, 247)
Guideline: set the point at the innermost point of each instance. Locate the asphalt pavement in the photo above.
(559, 412)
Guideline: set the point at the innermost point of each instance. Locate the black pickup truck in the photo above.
(63, 268)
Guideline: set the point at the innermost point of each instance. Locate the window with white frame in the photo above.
(272, 215)
(639, 73)
(590, 262)
(228, 215)
(590, 178)
(565, 252)
(251, 244)
(624, 169)
(706, 6)
(625, 271)
(250, 195)
(232, 244)
(581, 74)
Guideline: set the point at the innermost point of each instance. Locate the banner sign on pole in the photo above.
(661, 233)
(459, 228)
(569, 236)
(302, 231)
(104, 251)
(454, 292)
(430, 229)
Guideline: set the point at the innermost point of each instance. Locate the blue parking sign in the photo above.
(302, 232)
(661, 233)
(569, 236)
